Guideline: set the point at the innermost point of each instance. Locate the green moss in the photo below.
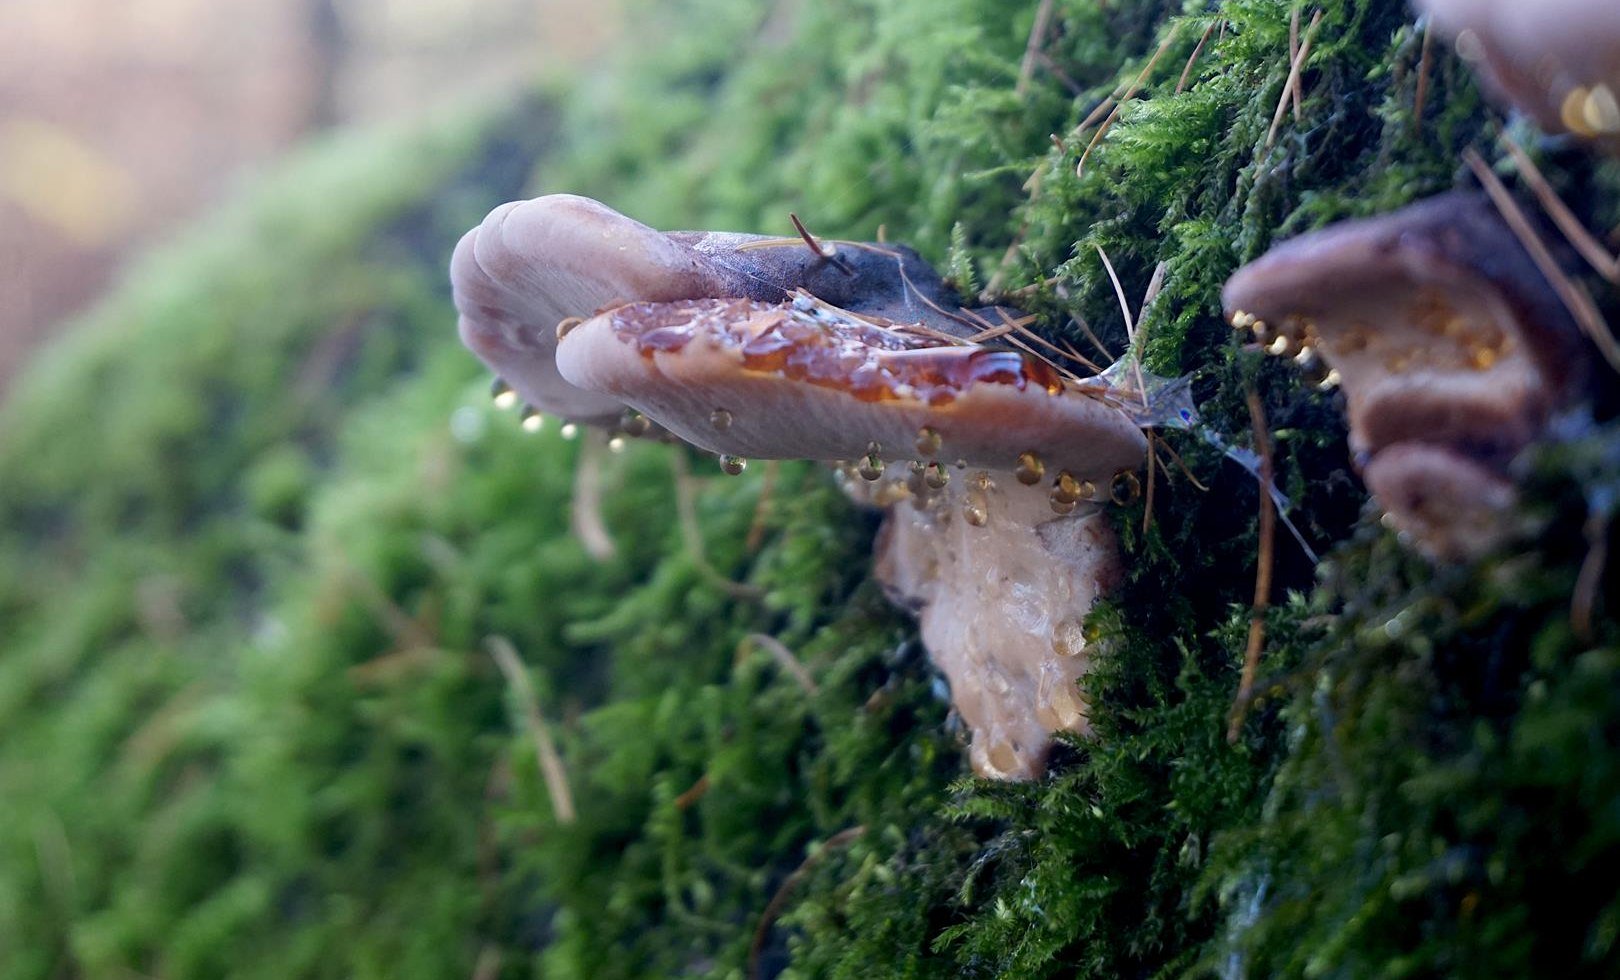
(260, 524)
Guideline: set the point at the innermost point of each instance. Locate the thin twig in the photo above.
(783, 657)
(1130, 326)
(1152, 460)
(762, 509)
(552, 772)
(823, 251)
(1293, 53)
(1037, 38)
(1591, 576)
(1262, 575)
(585, 511)
(1590, 249)
(1186, 72)
(1130, 93)
(1575, 298)
(841, 839)
(692, 535)
(1292, 83)
(1425, 65)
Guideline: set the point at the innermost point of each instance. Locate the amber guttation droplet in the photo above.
(732, 465)
(634, 424)
(1062, 508)
(533, 421)
(569, 430)
(871, 467)
(567, 324)
(1030, 469)
(1127, 486)
(1065, 489)
(928, 441)
(503, 394)
(1067, 705)
(935, 477)
(616, 444)
(720, 419)
(1003, 757)
(1068, 638)
(1329, 380)
(980, 481)
(976, 511)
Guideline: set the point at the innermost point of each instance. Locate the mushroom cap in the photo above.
(1440, 326)
(804, 380)
(532, 264)
(1558, 60)
(1451, 507)
(1452, 349)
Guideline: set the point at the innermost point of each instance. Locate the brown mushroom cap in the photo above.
(1558, 60)
(803, 380)
(1441, 329)
(532, 264)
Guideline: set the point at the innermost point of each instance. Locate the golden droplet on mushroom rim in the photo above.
(1280, 345)
(1065, 489)
(1483, 357)
(569, 431)
(634, 424)
(1069, 638)
(1241, 320)
(1002, 757)
(980, 482)
(871, 467)
(732, 465)
(566, 325)
(1030, 469)
(1066, 704)
(935, 476)
(502, 394)
(976, 510)
(532, 420)
(928, 441)
(720, 419)
(616, 444)
(1602, 110)
(1329, 381)
(1125, 488)
(1572, 112)
(1062, 508)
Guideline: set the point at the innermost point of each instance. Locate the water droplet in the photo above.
(567, 324)
(1062, 508)
(1281, 345)
(1329, 381)
(634, 424)
(503, 394)
(1127, 486)
(1066, 704)
(980, 481)
(732, 465)
(1030, 469)
(1069, 638)
(616, 444)
(720, 419)
(533, 421)
(928, 441)
(976, 511)
(935, 476)
(1003, 757)
(569, 430)
(871, 467)
(1065, 489)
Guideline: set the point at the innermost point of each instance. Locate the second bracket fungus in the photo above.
(989, 460)
(1558, 60)
(1451, 347)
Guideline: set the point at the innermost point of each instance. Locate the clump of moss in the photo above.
(254, 726)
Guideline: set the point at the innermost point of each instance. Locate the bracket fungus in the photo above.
(988, 459)
(1451, 347)
(1557, 60)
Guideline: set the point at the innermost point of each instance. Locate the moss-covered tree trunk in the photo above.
(260, 525)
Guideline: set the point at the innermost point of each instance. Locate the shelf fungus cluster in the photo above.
(1557, 60)
(991, 463)
(1451, 347)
